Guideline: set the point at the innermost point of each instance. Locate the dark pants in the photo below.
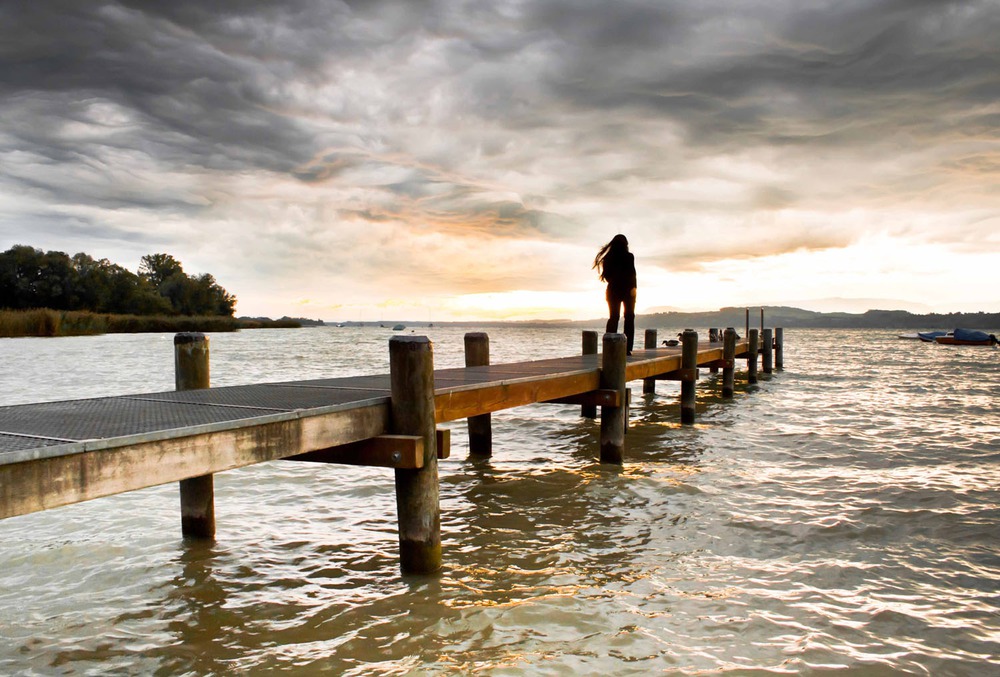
(615, 301)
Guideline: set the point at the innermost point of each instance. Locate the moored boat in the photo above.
(931, 336)
(968, 337)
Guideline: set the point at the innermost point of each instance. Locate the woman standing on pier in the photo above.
(616, 265)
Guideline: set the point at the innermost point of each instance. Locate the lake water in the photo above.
(840, 516)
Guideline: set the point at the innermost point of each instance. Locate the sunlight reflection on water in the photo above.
(839, 515)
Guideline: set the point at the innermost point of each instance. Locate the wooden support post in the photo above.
(752, 357)
(649, 384)
(729, 355)
(613, 418)
(689, 360)
(779, 348)
(628, 407)
(411, 374)
(589, 348)
(477, 354)
(713, 336)
(767, 345)
(191, 372)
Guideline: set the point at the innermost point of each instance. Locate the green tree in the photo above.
(31, 278)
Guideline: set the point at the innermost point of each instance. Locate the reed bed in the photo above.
(45, 322)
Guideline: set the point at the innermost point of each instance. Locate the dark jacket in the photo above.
(619, 272)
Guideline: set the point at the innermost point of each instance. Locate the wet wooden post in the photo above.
(729, 355)
(613, 418)
(752, 357)
(649, 384)
(191, 372)
(477, 354)
(713, 336)
(689, 368)
(411, 375)
(589, 348)
(779, 348)
(767, 345)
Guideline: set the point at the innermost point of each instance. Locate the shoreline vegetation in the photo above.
(45, 322)
(54, 294)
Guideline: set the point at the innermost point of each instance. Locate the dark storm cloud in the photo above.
(194, 96)
(745, 73)
(544, 120)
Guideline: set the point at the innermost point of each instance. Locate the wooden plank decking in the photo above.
(58, 453)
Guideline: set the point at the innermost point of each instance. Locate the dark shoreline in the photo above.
(774, 316)
(49, 323)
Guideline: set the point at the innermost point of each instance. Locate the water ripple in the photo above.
(838, 516)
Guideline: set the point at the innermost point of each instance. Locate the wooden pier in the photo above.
(58, 453)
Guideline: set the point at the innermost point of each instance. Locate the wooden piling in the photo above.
(779, 348)
(713, 336)
(191, 372)
(729, 355)
(613, 418)
(649, 384)
(589, 348)
(477, 354)
(689, 367)
(752, 350)
(411, 375)
(767, 352)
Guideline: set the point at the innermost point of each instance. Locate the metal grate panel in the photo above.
(378, 382)
(272, 397)
(17, 443)
(113, 417)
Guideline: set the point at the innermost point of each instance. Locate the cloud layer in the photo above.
(355, 152)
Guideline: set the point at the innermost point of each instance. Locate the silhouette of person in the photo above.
(616, 265)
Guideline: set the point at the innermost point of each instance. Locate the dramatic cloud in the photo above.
(349, 154)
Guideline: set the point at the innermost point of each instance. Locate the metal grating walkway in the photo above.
(54, 428)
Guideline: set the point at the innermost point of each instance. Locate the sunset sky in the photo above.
(440, 160)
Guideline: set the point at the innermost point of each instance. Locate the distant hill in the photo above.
(774, 316)
(783, 316)
(304, 321)
(284, 322)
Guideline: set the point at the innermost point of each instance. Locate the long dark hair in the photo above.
(614, 249)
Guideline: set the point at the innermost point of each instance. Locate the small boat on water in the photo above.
(967, 337)
(399, 327)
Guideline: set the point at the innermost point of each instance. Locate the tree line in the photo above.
(31, 278)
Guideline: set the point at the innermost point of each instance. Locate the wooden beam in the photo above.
(598, 398)
(107, 467)
(384, 451)
(443, 443)
(457, 404)
(652, 368)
